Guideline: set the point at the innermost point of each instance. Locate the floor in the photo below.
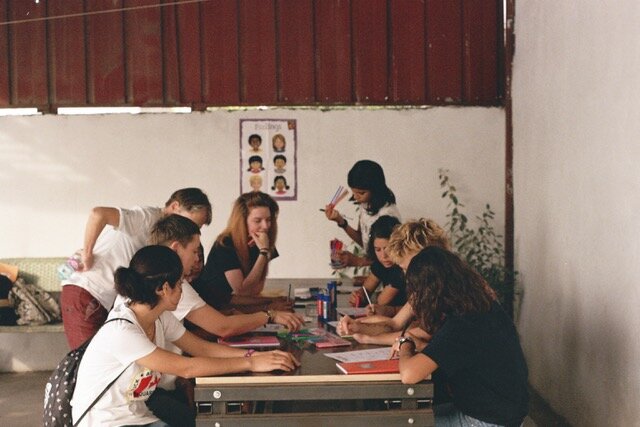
(21, 400)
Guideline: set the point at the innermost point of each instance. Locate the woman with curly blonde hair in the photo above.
(404, 243)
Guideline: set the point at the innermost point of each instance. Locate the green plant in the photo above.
(479, 245)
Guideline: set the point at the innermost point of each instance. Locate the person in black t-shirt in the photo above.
(236, 268)
(383, 271)
(474, 345)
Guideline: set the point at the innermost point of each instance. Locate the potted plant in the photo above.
(478, 243)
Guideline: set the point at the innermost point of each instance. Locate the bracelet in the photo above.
(344, 224)
(266, 254)
(271, 314)
(249, 352)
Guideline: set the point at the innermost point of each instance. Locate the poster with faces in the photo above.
(268, 157)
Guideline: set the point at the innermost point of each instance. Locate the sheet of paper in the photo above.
(381, 353)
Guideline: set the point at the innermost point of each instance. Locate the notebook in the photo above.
(370, 367)
(249, 342)
(328, 340)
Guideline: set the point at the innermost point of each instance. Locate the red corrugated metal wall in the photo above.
(249, 52)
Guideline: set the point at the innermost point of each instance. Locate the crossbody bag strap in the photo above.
(110, 384)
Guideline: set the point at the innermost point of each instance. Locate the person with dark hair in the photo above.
(383, 270)
(112, 236)
(152, 288)
(474, 344)
(237, 265)
(374, 199)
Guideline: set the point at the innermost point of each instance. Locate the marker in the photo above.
(366, 294)
(345, 217)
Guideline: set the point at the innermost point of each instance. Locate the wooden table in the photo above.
(316, 394)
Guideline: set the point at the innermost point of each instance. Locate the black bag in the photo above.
(7, 313)
(61, 384)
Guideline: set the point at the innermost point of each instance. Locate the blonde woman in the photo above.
(238, 262)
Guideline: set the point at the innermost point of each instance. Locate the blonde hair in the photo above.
(237, 226)
(415, 235)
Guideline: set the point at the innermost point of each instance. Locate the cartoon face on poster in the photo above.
(268, 157)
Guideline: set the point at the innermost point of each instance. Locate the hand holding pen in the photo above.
(395, 349)
(371, 309)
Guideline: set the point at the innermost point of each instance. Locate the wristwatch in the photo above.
(265, 253)
(403, 340)
(344, 223)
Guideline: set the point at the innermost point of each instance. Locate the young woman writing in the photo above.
(383, 271)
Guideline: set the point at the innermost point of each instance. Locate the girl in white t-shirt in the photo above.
(374, 199)
(152, 283)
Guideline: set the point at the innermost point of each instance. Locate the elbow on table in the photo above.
(409, 377)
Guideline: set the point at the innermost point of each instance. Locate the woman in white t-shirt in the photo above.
(374, 199)
(133, 347)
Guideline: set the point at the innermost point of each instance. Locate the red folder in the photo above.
(371, 367)
(249, 342)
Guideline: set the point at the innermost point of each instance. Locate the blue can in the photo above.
(332, 290)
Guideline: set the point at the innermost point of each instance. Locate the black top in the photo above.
(212, 285)
(392, 276)
(480, 358)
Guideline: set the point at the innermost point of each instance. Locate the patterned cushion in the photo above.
(41, 271)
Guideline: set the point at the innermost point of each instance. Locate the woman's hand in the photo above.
(291, 321)
(87, 260)
(347, 326)
(271, 360)
(381, 310)
(348, 259)
(356, 297)
(332, 214)
(261, 240)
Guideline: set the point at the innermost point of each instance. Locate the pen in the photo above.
(289, 293)
(345, 217)
(366, 294)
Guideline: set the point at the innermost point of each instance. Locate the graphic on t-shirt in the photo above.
(143, 385)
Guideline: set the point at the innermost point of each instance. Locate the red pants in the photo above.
(82, 315)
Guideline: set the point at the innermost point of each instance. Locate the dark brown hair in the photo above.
(440, 284)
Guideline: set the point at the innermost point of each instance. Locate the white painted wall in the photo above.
(577, 185)
(53, 169)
